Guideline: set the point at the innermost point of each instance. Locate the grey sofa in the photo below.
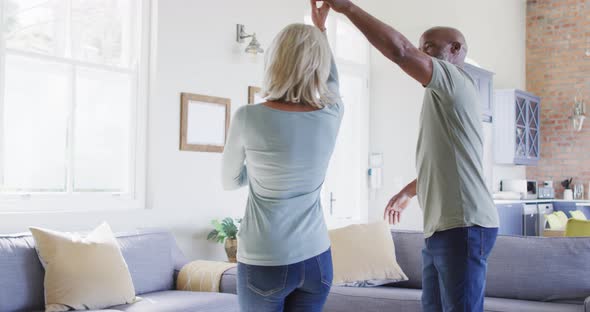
(525, 274)
(153, 259)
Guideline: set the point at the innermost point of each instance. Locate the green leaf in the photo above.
(212, 235)
(218, 226)
(220, 239)
(224, 229)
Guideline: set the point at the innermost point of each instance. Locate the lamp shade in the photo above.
(254, 46)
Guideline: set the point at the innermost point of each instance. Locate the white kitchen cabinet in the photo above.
(484, 81)
(516, 127)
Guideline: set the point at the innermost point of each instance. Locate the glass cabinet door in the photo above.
(521, 128)
(533, 130)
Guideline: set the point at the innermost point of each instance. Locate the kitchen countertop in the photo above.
(536, 201)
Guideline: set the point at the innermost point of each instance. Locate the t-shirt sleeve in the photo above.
(446, 77)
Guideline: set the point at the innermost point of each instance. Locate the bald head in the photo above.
(444, 43)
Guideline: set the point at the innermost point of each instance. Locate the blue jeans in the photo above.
(299, 287)
(454, 269)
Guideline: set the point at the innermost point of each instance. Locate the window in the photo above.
(345, 191)
(73, 96)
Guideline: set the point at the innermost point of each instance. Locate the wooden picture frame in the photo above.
(252, 91)
(204, 122)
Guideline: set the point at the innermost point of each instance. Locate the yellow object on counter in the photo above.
(579, 215)
(577, 228)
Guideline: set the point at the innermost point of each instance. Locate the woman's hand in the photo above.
(319, 15)
(340, 6)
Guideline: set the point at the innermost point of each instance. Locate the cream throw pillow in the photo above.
(83, 273)
(364, 255)
(579, 215)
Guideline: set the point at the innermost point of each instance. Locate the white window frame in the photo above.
(135, 198)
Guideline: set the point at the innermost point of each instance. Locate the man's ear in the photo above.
(456, 47)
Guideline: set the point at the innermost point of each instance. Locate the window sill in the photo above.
(69, 204)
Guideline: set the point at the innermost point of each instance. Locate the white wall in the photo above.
(196, 52)
(491, 29)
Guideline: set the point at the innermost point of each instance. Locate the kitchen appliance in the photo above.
(546, 191)
(507, 196)
(533, 220)
(515, 186)
(530, 220)
(544, 209)
(531, 189)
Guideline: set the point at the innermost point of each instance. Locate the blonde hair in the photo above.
(298, 67)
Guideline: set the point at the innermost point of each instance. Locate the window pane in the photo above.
(105, 32)
(102, 131)
(351, 45)
(37, 97)
(35, 26)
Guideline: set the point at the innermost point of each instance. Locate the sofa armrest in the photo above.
(229, 282)
(587, 305)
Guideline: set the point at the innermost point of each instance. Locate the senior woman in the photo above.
(281, 149)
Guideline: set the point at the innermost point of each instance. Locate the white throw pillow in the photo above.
(364, 255)
(83, 273)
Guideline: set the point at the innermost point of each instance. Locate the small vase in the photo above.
(231, 249)
(568, 194)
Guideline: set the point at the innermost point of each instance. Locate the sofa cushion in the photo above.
(377, 299)
(364, 255)
(408, 251)
(373, 299)
(183, 301)
(106, 310)
(149, 258)
(21, 274)
(229, 281)
(83, 272)
(539, 269)
(526, 268)
(510, 305)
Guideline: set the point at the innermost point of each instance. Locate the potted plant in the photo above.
(226, 232)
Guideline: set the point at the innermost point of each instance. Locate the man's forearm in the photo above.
(411, 189)
(385, 38)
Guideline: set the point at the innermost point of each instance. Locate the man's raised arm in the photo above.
(389, 41)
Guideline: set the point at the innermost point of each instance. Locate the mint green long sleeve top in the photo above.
(282, 157)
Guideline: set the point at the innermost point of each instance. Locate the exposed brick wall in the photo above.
(558, 67)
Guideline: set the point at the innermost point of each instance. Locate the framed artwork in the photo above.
(204, 122)
(254, 95)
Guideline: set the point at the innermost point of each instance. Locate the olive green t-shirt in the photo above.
(451, 187)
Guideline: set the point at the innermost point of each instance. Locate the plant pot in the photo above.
(568, 194)
(231, 249)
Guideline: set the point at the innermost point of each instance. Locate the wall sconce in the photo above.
(254, 46)
(579, 114)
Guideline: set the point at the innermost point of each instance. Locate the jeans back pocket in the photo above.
(326, 268)
(266, 280)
